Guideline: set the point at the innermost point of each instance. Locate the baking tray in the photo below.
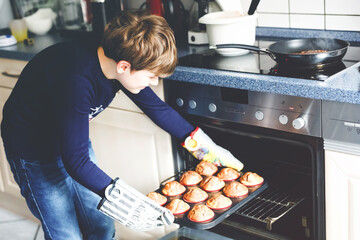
(220, 215)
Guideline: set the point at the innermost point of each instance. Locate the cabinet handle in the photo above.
(10, 75)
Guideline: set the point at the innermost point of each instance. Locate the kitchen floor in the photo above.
(15, 227)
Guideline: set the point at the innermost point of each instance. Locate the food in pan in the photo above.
(310, 52)
(200, 213)
(218, 202)
(212, 184)
(228, 174)
(173, 188)
(206, 168)
(178, 206)
(195, 195)
(235, 190)
(157, 197)
(190, 178)
(251, 179)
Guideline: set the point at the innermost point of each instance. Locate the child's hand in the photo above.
(203, 148)
(131, 208)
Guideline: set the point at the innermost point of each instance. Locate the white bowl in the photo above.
(41, 21)
(229, 27)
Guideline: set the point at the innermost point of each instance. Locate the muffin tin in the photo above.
(220, 215)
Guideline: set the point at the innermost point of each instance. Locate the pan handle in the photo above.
(244, 46)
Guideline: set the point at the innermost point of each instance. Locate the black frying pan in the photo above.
(317, 51)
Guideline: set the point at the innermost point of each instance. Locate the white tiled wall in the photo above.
(309, 14)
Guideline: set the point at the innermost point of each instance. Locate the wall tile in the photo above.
(307, 6)
(347, 23)
(307, 21)
(273, 6)
(343, 7)
(273, 20)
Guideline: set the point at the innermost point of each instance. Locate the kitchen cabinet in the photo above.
(129, 145)
(8, 183)
(10, 196)
(9, 71)
(342, 178)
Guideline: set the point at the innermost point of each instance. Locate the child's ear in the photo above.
(122, 66)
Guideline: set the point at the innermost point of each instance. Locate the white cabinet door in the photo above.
(10, 71)
(10, 197)
(130, 146)
(342, 191)
(8, 185)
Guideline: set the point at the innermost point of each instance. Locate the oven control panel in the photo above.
(280, 112)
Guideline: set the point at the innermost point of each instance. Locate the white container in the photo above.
(41, 21)
(230, 27)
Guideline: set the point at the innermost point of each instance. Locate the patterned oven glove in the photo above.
(129, 207)
(203, 148)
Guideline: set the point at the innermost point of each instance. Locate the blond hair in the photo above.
(146, 42)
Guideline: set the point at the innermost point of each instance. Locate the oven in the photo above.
(276, 136)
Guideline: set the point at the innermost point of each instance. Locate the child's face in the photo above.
(135, 81)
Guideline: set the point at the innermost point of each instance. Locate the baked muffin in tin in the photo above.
(190, 178)
(235, 190)
(201, 213)
(173, 188)
(195, 195)
(206, 169)
(157, 197)
(228, 174)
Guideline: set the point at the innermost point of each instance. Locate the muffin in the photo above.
(235, 190)
(178, 206)
(190, 178)
(212, 184)
(200, 213)
(195, 195)
(206, 169)
(173, 188)
(228, 174)
(218, 202)
(251, 179)
(157, 197)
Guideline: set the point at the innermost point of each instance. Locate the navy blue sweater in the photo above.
(59, 91)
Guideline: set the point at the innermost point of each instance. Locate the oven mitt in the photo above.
(203, 148)
(131, 208)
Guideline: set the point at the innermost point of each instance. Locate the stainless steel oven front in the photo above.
(278, 137)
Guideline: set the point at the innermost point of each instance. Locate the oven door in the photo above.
(293, 165)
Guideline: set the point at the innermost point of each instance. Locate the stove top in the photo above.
(260, 63)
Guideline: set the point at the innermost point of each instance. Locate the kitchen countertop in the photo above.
(341, 87)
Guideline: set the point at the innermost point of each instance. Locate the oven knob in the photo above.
(283, 119)
(192, 104)
(298, 123)
(179, 102)
(212, 107)
(259, 115)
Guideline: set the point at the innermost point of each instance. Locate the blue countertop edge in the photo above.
(341, 87)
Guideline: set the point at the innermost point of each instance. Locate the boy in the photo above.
(45, 128)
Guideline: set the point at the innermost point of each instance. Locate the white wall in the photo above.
(309, 14)
(5, 13)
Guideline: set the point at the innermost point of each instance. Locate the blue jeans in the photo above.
(66, 209)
